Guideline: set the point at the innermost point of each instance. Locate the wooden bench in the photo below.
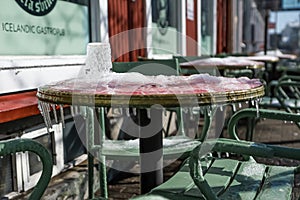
(209, 177)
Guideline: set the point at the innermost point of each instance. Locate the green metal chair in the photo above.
(281, 94)
(204, 176)
(223, 55)
(149, 67)
(270, 100)
(8, 147)
(120, 149)
(284, 94)
(167, 67)
(288, 94)
(182, 59)
(237, 72)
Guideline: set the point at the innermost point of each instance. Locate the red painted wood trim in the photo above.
(191, 32)
(124, 15)
(17, 106)
(118, 25)
(137, 19)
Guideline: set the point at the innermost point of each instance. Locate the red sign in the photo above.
(271, 25)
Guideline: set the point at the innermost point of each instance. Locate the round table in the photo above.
(168, 91)
(278, 54)
(261, 58)
(218, 66)
(138, 91)
(273, 60)
(223, 63)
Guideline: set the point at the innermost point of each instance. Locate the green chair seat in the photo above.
(207, 177)
(230, 179)
(173, 147)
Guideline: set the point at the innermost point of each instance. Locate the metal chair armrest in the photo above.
(261, 113)
(20, 145)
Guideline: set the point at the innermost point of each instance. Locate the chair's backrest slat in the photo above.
(150, 67)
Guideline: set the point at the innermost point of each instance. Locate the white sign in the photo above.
(290, 4)
(43, 27)
(190, 10)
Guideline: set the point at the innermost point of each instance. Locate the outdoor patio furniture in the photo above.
(270, 86)
(182, 59)
(12, 146)
(156, 67)
(193, 69)
(146, 67)
(131, 91)
(250, 73)
(283, 94)
(204, 176)
(120, 149)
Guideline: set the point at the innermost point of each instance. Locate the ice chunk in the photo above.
(133, 78)
(45, 111)
(98, 60)
(61, 107)
(54, 112)
(204, 78)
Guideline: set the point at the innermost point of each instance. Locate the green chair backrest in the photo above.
(181, 59)
(153, 67)
(149, 67)
(287, 93)
(223, 55)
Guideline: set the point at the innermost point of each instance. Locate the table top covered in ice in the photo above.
(224, 63)
(135, 89)
(260, 58)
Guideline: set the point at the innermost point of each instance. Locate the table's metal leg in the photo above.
(89, 136)
(92, 149)
(250, 128)
(102, 159)
(250, 125)
(207, 123)
(273, 75)
(151, 152)
(219, 123)
(90, 176)
(180, 122)
(208, 116)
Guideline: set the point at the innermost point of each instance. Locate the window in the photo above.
(30, 164)
(166, 23)
(207, 27)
